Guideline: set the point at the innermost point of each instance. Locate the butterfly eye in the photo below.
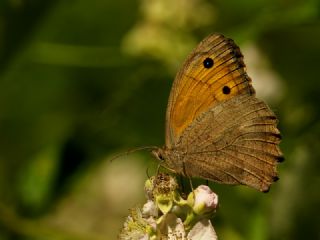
(208, 63)
(160, 157)
(226, 90)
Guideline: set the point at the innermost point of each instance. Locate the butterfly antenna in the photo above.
(132, 151)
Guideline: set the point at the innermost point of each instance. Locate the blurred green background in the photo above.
(83, 80)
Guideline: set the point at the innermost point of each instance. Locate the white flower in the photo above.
(202, 230)
(150, 209)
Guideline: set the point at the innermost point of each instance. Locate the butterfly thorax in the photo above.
(171, 159)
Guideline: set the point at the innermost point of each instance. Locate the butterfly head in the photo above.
(163, 155)
(159, 154)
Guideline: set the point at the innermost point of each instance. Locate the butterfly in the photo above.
(216, 129)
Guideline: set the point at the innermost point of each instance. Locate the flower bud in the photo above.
(203, 200)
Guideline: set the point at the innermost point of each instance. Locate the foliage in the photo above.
(80, 81)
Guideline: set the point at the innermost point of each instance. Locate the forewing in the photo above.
(196, 89)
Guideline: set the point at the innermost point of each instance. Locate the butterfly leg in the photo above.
(189, 178)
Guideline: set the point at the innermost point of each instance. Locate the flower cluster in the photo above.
(166, 215)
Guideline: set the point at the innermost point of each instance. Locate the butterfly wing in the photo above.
(201, 84)
(236, 142)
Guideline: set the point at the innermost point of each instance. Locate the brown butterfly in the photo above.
(216, 128)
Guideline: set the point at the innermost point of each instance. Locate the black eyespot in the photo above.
(208, 63)
(226, 90)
